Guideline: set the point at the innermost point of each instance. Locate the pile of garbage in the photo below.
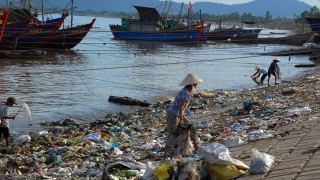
(128, 145)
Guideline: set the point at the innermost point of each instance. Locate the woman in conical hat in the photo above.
(176, 112)
(274, 69)
(259, 71)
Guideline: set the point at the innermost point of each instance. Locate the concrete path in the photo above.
(297, 154)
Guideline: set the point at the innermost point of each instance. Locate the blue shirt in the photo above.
(183, 94)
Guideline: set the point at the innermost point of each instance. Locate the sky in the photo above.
(310, 2)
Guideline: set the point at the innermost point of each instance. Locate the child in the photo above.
(4, 115)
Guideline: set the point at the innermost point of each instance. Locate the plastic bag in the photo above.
(26, 109)
(237, 141)
(163, 172)
(224, 171)
(215, 153)
(261, 162)
(22, 139)
(148, 174)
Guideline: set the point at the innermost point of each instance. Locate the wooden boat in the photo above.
(234, 32)
(50, 37)
(37, 35)
(314, 23)
(3, 22)
(290, 40)
(223, 33)
(247, 34)
(273, 32)
(12, 31)
(22, 54)
(69, 37)
(151, 27)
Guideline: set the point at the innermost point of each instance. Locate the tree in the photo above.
(268, 17)
(314, 12)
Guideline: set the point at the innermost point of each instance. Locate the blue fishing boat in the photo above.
(37, 35)
(152, 27)
(67, 38)
(3, 22)
(12, 31)
(314, 23)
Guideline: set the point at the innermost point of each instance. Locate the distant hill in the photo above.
(277, 8)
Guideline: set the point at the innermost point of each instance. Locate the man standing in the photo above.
(4, 115)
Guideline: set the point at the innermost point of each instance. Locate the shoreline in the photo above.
(171, 96)
(218, 116)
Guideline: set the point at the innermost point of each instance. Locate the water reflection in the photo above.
(68, 57)
(152, 47)
(2, 84)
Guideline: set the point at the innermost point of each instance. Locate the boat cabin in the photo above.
(149, 20)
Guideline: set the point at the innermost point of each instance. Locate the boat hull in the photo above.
(289, 40)
(170, 35)
(314, 23)
(36, 36)
(12, 31)
(234, 33)
(70, 37)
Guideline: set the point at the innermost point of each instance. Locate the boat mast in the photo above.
(72, 13)
(42, 9)
(168, 8)
(189, 21)
(181, 10)
(30, 6)
(165, 5)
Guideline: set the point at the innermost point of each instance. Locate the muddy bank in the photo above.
(297, 51)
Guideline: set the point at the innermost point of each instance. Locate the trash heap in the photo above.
(131, 145)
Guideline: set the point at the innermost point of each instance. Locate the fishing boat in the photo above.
(71, 36)
(223, 33)
(247, 34)
(274, 32)
(298, 39)
(150, 26)
(22, 54)
(234, 32)
(314, 23)
(47, 34)
(12, 31)
(37, 35)
(3, 22)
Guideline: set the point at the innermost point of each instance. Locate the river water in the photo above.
(77, 83)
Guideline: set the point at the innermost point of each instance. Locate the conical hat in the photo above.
(190, 79)
(277, 59)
